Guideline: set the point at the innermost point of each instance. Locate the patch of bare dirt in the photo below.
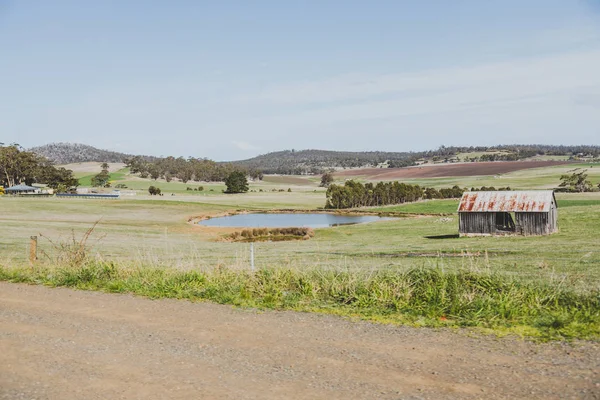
(66, 344)
(447, 170)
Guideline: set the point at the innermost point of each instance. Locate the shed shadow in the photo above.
(452, 236)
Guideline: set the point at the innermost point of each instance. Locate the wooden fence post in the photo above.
(33, 249)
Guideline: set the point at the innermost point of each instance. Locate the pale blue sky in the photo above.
(233, 79)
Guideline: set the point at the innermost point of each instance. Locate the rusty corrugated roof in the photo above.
(509, 201)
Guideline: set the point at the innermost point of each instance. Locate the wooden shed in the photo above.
(531, 212)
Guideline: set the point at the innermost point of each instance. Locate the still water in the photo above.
(288, 220)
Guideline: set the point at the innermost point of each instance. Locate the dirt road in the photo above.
(65, 344)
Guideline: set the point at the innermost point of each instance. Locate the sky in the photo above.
(229, 79)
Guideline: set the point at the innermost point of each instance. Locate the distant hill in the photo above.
(316, 161)
(67, 153)
(291, 162)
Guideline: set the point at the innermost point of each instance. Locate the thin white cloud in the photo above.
(558, 79)
(541, 74)
(245, 146)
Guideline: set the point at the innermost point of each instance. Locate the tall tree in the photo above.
(236, 182)
(576, 182)
(19, 166)
(326, 179)
(101, 180)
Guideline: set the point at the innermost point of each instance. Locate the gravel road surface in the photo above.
(67, 344)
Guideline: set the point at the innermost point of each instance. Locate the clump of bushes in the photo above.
(153, 190)
(272, 234)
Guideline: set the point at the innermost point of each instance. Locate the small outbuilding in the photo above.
(21, 189)
(531, 212)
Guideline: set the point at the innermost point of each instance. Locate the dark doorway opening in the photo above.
(505, 222)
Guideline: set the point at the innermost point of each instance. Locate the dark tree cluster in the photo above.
(445, 193)
(355, 194)
(327, 179)
(102, 179)
(154, 191)
(520, 155)
(236, 182)
(576, 182)
(18, 166)
(185, 170)
(409, 162)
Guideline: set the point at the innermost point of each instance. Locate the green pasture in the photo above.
(408, 270)
(271, 184)
(532, 178)
(86, 180)
(157, 232)
(549, 158)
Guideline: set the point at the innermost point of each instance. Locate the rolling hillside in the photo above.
(292, 162)
(315, 161)
(66, 153)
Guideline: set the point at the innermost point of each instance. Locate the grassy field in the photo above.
(533, 178)
(152, 234)
(549, 158)
(158, 231)
(86, 180)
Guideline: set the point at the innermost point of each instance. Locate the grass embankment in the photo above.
(420, 296)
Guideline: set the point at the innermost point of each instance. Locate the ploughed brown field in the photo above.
(447, 170)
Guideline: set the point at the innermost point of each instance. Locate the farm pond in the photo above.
(284, 220)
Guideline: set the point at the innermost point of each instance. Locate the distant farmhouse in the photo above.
(532, 212)
(21, 189)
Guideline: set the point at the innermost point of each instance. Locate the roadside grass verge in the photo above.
(430, 297)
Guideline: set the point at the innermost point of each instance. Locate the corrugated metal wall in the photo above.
(536, 223)
(527, 223)
(477, 223)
